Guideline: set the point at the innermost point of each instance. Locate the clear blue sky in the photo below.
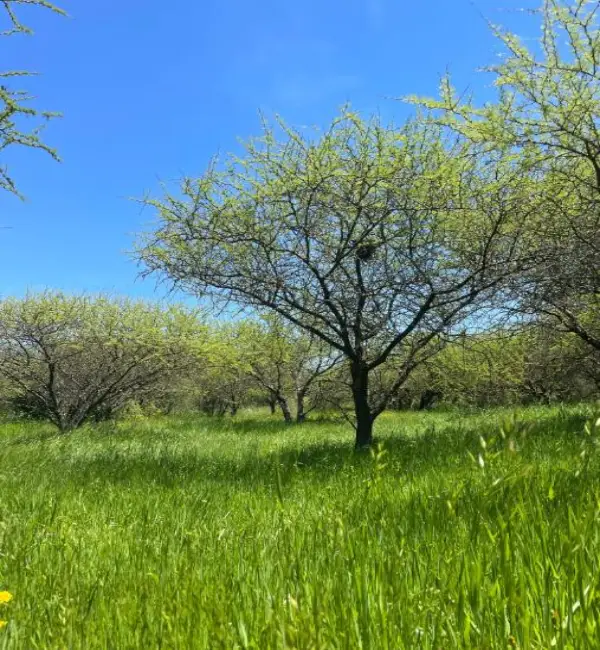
(152, 89)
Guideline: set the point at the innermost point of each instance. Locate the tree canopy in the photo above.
(72, 359)
(547, 112)
(375, 239)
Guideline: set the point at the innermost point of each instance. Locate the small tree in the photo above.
(222, 384)
(72, 359)
(265, 354)
(282, 360)
(313, 361)
(14, 103)
(374, 240)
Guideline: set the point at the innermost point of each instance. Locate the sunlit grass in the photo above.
(187, 532)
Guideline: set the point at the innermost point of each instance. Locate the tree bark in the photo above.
(300, 412)
(362, 409)
(272, 405)
(285, 409)
(428, 397)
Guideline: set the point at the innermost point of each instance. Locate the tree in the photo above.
(281, 359)
(15, 103)
(73, 359)
(265, 355)
(547, 112)
(510, 366)
(556, 366)
(313, 362)
(371, 238)
(223, 384)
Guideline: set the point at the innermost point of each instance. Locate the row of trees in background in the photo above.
(73, 360)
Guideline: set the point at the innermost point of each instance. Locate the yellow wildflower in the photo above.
(3, 624)
(5, 597)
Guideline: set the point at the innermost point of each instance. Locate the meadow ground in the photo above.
(186, 532)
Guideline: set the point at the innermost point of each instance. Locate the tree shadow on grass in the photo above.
(435, 449)
(37, 437)
(173, 468)
(268, 427)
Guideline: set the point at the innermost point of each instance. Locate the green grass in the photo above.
(192, 533)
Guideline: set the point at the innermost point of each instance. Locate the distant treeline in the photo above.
(72, 359)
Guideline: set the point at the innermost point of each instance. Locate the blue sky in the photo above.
(150, 90)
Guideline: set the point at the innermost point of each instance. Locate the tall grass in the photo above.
(245, 533)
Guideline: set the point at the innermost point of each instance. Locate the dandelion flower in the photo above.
(3, 624)
(5, 597)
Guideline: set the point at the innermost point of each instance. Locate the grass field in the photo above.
(244, 533)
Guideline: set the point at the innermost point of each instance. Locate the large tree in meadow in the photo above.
(548, 112)
(374, 239)
(15, 104)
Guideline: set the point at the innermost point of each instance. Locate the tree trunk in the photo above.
(285, 409)
(300, 413)
(272, 404)
(362, 410)
(428, 397)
